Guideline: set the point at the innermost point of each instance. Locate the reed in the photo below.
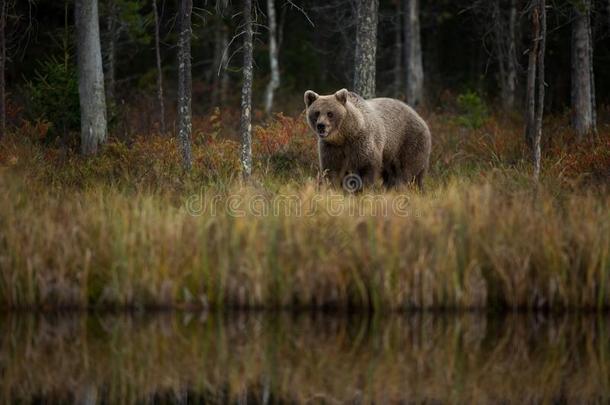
(463, 246)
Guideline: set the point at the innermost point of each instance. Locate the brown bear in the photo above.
(360, 140)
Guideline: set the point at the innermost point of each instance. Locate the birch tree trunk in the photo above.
(274, 83)
(3, 10)
(366, 48)
(159, 69)
(535, 83)
(414, 64)
(90, 76)
(540, 100)
(246, 94)
(398, 51)
(582, 70)
(185, 82)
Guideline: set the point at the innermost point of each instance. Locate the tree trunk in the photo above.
(591, 72)
(535, 84)
(540, 101)
(90, 76)
(224, 76)
(274, 83)
(185, 82)
(414, 65)
(3, 10)
(511, 71)
(398, 51)
(246, 94)
(505, 43)
(159, 69)
(582, 78)
(366, 48)
(530, 122)
(219, 53)
(112, 38)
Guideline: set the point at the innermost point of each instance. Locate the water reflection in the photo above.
(272, 358)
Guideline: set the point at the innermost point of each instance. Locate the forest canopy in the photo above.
(316, 48)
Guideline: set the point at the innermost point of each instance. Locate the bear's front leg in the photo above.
(368, 174)
(355, 181)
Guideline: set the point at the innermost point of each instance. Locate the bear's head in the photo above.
(325, 114)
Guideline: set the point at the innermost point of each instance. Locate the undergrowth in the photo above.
(129, 228)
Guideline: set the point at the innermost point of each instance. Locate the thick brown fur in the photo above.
(380, 137)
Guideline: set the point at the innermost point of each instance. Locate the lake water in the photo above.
(271, 358)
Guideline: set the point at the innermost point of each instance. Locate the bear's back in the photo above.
(397, 115)
(402, 124)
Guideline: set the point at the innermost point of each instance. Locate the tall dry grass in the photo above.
(464, 245)
(129, 228)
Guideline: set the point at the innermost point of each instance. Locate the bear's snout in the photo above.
(321, 128)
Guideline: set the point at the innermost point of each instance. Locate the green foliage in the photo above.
(473, 112)
(580, 5)
(130, 19)
(131, 14)
(53, 96)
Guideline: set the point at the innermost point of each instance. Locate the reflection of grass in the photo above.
(463, 359)
(114, 230)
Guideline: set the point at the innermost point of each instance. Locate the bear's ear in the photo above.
(341, 96)
(310, 97)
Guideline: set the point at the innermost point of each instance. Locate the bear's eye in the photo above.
(329, 114)
(316, 114)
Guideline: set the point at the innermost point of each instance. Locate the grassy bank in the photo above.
(129, 228)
